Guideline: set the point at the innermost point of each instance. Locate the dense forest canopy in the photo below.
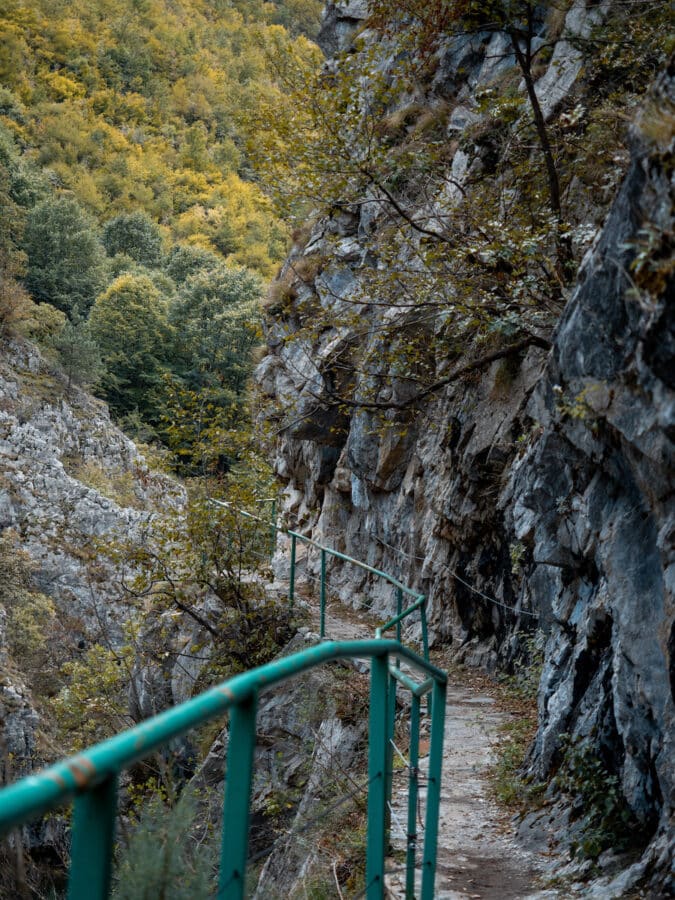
(142, 105)
(130, 211)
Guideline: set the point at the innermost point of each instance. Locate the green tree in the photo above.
(184, 260)
(216, 321)
(216, 326)
(300, 16)
(26, 184)
(65, 256)
(14, 302)
(94, 702)
(20, 187)
(30, 616)
(78, 354)
(130, 324)
(12, 216)
(197, 564)
(136, 235)
(172, 853)
(41, 322)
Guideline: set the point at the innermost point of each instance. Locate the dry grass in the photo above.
(281, 293)
(657, 124)
(396, 124)
(555, 21)
(432, 121)
(301, 235)
(306, 268)
(116, 486)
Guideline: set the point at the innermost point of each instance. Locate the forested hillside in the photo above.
(134, 237)
(143, 105)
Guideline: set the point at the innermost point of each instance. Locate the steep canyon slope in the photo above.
(526, 492)
(70, 483)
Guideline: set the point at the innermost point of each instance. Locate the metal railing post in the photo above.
(425, 632)
(425, 647)
(238, 780)
(291, 580)
(399, 610)
(377, 766)
(413, 790)
(391, 726)
(92, 844)
(433, 790)
(273, 530)
(322, 627)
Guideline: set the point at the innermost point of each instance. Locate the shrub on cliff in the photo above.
(129, 322)
(65, 256)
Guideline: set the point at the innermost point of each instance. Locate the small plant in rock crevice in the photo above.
(606, 821)
(522, 685)
(517, 552)
(511, 786)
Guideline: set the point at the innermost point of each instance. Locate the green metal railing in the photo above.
(419, 600)
(395, 674)
(91, 777)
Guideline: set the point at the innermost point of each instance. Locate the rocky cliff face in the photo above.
(593, 500)
(70, 483)
(69, 479)
(413, 494)
(534, 494)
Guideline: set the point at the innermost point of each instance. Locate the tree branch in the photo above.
(524, 61)
(436, 235)
(532, 340)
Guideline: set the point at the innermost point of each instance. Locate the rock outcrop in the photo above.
(70, 485)
(70, 482)
(534, 494)
(593, 500)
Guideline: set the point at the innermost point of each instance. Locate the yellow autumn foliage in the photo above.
(146, 104)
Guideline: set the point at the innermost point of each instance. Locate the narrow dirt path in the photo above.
(478, 859)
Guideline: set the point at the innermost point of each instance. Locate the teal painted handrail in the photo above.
(91, 776)
(396, 621)
(419, 603)
(295, 536)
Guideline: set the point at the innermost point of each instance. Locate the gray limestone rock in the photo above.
(546, 505)
(595, 496)
(340, 19)
(69, 480)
